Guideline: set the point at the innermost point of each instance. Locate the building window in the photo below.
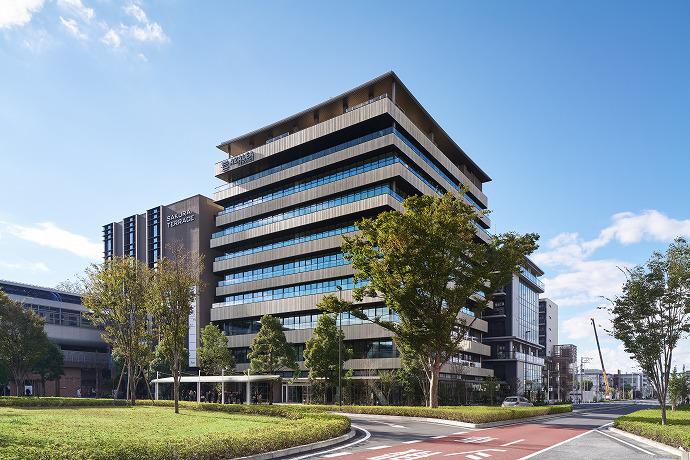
(108, 241)
(153, 229)
(130, 236)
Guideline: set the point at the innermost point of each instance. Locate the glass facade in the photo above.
(38, 293)
(297, 290)
(297, 238)
(344, 172)
(130, 236)
(527, 313)
(61, 316)
(319, 206)
(304, 320)
(108, 241)
(286, 268)
(153, 227)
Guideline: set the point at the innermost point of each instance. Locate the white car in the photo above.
(512, 401)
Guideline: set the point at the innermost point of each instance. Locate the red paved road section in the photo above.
(501, 443)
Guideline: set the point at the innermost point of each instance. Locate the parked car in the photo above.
(512, 401)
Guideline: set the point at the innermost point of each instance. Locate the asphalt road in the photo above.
(579, 435)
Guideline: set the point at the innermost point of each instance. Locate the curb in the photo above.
(306, 448)
(441, 421)
(656, 444)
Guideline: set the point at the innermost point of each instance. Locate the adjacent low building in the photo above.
(87, 361)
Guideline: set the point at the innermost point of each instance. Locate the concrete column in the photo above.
(222, 388)
(198, 388)
(249, 391)
(156, 387)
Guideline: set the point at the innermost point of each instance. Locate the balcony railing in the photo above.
(533, 278)
(519, 356)
(86, 358)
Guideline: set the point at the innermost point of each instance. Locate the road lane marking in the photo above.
(475, 439)
(460, 432)
(367, 435)
(511, 443)
(337, 454)
(555, 445)
(405, 455)
(473, 457)
(412, 442)
(465, 453)
(438, 437)
(483, 454)
(378, 447)
(628, 444)
(392, 425)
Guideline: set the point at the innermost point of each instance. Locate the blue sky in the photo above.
(579, 111)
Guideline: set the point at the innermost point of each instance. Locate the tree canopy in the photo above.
(22, 339)
(270, 350)
(426, 263)
(321, 350)
(214, 356)
(652, 313)
(51, 364)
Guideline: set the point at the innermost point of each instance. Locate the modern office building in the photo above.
(295, 187)
(513, 332)
(87, 361)
(548, 326)
(148, 236)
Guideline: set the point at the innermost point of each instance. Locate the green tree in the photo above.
(177, 283)
(653, 313)
(678, 388)
(50, 366)
(489, 386)
(386, 382)
(412, 379)
(321, 351)
(270, 350)
(117, 293)
(4, 377)
(214, 356)
(22, 339)
(426, 263)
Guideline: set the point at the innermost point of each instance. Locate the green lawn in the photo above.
(647, 423)
(468, 414)
(147, 432)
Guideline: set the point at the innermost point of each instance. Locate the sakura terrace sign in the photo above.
(174, 220)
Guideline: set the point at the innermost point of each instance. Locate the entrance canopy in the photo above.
(220, 379)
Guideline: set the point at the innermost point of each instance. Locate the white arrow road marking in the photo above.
(405, 455)
(392, 425)
(480, 452)
(377, 447)
(475, 439)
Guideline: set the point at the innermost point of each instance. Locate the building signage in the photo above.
(238, 160)
(174, 220)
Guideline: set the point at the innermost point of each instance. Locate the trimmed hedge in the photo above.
(647, 423)
(255, 429)
(468, 414)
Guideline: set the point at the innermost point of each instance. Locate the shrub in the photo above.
(647, 423)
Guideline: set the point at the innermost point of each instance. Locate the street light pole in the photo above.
(340, 346)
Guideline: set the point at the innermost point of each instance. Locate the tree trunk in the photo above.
(176, 383)
(130, 384)
(662, 401)
(433, 385)
(116, 392)
(18, 383)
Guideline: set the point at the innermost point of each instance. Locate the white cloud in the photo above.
(77, 7)
(18, 12)
(112, 38)
(38, 41)
(25, 266)
(50, 235)
(136, 12)
(147, 31)
(73, 28)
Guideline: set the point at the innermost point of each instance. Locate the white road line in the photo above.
(628, 444)
(412, 442)
(511, 443)
(367, 435)
(337, 454)
(482, 454)
(439, 437)
(460, 432)
(377, 447)
(563, 442)
(392, 425)
(474, 452)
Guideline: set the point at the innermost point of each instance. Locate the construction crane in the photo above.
(607, 392)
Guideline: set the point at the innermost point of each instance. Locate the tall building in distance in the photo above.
(513, 332)
(548, 326)
(87, 361)
(187, 223)
(295, 187)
